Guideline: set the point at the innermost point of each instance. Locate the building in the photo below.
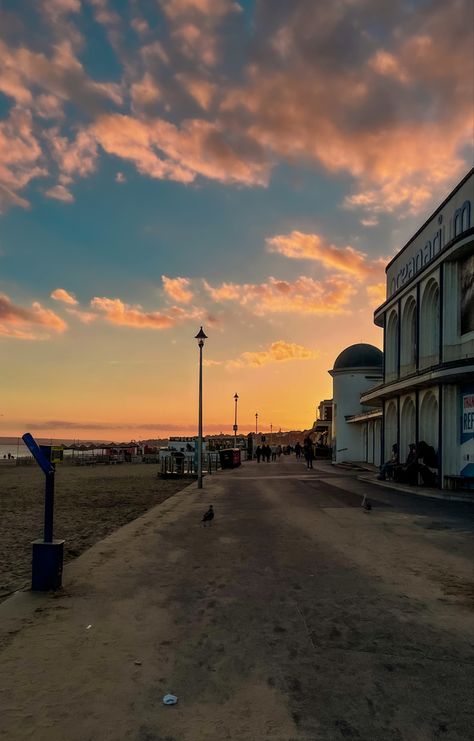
(427, 390)
(322, 426)
(354, 437)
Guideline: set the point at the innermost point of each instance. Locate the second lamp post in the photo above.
(236, 399)
(200, 337)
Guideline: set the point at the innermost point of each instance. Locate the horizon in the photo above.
(218, 163)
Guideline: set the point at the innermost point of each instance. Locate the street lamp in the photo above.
(271, 434)
(236, 398)
(200, 337)
(256, 423)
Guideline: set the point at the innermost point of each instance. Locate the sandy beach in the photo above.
(90, 503)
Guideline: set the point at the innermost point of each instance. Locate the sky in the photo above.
(248, 166)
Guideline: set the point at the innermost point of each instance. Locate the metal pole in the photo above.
(256, 423)
(201, 343)
(49, 508)
(271, 434)
(236, 398)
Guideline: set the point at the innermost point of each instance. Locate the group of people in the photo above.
(268, 452)
(421, 462)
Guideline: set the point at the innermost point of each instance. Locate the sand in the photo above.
(90, 502)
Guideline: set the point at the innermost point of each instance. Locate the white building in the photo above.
(354, 438)
(427, 392)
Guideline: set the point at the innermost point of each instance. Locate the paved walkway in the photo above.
(296, 616)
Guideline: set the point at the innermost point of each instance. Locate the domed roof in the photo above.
(359, 356)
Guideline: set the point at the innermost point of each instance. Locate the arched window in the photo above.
(408, 337)
(391, 347)
(407, 427)
(429, 419)
(429, 324)
(391, 427)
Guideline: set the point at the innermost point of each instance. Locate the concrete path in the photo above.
(296, 616)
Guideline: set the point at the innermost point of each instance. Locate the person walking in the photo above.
(258, 453)
(298, 450)
(308, 453)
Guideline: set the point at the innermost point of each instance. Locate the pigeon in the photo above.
(208, 516)
(366, 505)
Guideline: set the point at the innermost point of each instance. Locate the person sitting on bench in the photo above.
(387, 469)
(408, 474)
(428, 463)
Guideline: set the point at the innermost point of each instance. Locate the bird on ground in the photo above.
(208, 516)
(366, 505)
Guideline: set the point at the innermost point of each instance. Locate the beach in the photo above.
(90, 502)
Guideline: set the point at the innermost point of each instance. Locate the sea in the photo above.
(14, 447)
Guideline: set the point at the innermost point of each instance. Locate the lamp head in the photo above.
(201, 336)
(236, 396)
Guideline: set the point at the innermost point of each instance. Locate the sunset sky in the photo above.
(249, 166)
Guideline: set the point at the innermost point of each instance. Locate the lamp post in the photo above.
(200, 337)
(236, 399)
(256, 423)
(271, 434)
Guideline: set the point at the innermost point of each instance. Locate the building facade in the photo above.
(356, 370)
(427, 391)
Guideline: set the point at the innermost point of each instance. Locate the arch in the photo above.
(408, 336)
(407, 426)
(391, 428)
(391, 346)
(429, 324)
(429, 419)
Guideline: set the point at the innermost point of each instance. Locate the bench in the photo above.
(455, 483)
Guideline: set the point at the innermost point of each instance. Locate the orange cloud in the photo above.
(21, 323)
(303, 295)
(277, 352)
(178, 289)
(301, 246)
(161, 150)
(60, 294)
(118, 312)
(377, 293)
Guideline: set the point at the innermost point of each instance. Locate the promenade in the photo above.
(296, 616)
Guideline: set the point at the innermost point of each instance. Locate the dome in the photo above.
(359, 356)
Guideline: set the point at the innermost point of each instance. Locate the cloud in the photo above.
(8, 198)
(277, 352)
(300, 246)
(60, 294)
(377, 293)
(178, 289)
(86, 317)
(195, 24)
(60, 74)
(60, 193)
(21, 323)
(323, 87)
(76, 157)
(164, 151)
(120, 178)
(303, 295)
(118, 312)
(20, 155)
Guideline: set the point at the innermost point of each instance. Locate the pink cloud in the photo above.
(60, 294)
(20, 154)
(303, 295)
(60, 193)
(178, 289)
(61, 74)
(300, 246)
(162, 150)
(22, 323)
(118, 312)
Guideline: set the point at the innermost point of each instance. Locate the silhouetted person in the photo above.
(388, 468)
(258, 453)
